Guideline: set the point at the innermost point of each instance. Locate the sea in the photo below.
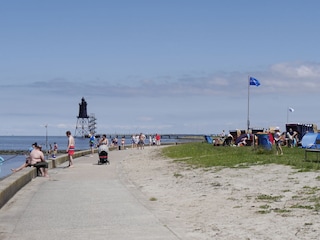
(18, 147)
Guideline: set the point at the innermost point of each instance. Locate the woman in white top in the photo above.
(277, 140)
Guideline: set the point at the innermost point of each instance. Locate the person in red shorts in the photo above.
(70, 148)
(158, 138)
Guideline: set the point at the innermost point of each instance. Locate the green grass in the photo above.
(269, 198)
(205, 155)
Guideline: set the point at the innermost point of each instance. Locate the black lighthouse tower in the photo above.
(82, 129)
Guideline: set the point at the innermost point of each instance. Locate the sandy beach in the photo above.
(260, 202)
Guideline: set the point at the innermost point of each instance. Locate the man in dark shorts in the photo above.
(36, 159)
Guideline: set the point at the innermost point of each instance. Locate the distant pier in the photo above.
(163, 136)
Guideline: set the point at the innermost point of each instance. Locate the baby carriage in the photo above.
(103, 154)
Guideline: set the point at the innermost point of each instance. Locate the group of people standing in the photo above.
(139, 140)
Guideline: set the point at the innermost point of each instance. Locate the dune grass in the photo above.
(205, 155)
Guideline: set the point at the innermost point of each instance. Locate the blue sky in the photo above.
(169, 66)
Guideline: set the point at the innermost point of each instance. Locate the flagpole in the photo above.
(248, 120)
(289, 110)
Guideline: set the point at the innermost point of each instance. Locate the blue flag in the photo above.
(254, 81)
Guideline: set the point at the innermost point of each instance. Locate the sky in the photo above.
(151, 66)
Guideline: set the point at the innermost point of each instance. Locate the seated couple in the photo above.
(35, 159)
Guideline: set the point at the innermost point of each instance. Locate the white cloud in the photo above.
(186, 103)
(278, 78)
(297, 70)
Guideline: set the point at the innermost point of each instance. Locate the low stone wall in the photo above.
(12, 184)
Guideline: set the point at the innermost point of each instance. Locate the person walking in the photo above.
(277, 140)
(92, 143)
(103, 140)
(123, 140)
(70, 148)
(103, 144)
(133, 141)
(158, 138)
(142, 138)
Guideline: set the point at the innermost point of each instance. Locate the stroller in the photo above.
(103, 154)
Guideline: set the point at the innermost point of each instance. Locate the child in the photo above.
(55, 150)
(277, 140)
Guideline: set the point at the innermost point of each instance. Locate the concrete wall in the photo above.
(12, 184)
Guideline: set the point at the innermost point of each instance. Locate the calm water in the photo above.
(10, 161)
(23, 143)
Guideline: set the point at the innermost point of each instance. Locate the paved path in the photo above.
(89, 201)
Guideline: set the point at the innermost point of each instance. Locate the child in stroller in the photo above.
(103, 150)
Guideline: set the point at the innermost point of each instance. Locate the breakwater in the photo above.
(12, 184)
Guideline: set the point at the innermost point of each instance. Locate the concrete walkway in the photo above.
(89, 201)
